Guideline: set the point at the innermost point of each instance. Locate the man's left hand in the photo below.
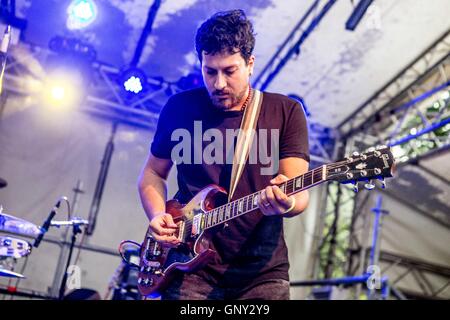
(273, 201)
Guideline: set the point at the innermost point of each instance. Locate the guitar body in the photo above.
(158, 263)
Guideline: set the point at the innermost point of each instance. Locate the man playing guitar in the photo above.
(250, 259)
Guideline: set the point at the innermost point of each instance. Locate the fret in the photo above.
(208, 223)
(214, 218)
(307, 179)
(290, 186)
(255, 200)
(240, 206)
(219, 216)
(227, 212)
(234, 212)
(317, 175)
(283, 187)
(298, 183)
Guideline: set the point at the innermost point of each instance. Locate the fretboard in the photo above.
(249, 203)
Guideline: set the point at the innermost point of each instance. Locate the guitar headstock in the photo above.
(376, 163)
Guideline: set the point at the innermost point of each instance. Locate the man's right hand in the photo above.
(163, 228)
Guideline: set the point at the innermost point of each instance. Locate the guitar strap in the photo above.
(245, 139)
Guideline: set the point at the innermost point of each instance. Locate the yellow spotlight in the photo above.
(62, 89)
(58, 93)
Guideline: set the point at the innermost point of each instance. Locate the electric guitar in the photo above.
(198, 219)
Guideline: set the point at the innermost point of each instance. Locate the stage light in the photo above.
(81, 13)
(133, 84)
(57, 93)
(63, 89)
(133, 80)
(72, 47)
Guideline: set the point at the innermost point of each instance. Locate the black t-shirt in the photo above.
(252, 247)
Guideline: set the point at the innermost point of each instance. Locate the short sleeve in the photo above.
(294, 139)
(162, 144)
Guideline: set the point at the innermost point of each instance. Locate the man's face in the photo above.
(226, 77)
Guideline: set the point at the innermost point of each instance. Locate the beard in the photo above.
(225, 100)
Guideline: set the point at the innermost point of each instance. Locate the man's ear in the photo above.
(251, 64)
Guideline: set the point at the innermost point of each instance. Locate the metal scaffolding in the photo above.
(389, 94)
(412, 115)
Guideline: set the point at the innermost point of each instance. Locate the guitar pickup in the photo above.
(196, 225)
(179, 233)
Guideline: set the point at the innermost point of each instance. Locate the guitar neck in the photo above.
(249, 203)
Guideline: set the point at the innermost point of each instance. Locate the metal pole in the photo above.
(296, 48)
(95, 206)
(375, 252)
(64, 248)
(334, 226)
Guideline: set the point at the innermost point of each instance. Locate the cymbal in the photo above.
(10, 274)
(13, 224)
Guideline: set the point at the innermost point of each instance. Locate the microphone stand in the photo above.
(75, 230)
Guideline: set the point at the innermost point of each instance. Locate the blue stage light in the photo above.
(133, 80)
(133, 84)
(81, 13)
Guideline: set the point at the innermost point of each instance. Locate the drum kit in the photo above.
(11, 247)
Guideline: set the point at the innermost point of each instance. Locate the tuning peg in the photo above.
(369, 185)
(371, 149)
(355, 187)
(355, 154)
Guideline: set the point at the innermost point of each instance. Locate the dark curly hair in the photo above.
(226, 31)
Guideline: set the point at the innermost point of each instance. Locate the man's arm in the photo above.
(292, 167)
(152, 185)
(152, 188)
